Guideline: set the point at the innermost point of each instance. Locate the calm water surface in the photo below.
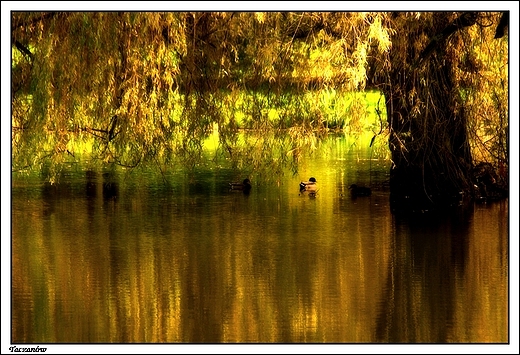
(192, 262)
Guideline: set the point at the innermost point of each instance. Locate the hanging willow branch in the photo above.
(464, 20)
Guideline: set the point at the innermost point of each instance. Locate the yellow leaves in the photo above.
(302, 139)
(260, 17)
(154, 21)
(380, 34)
(360, 55)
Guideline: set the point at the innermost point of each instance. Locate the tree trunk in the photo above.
(431, 156)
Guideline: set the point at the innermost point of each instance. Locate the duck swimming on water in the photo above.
(241, 186)
(309, 185)
(356, 191)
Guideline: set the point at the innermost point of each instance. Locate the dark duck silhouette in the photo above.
(309, 185)
(244, 186)
(356, 191)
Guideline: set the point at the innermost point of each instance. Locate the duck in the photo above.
(241, 186)
(356, 191)
(310, 185)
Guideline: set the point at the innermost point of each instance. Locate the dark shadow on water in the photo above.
(431, 251)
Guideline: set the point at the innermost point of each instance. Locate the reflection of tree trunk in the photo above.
(419, 300)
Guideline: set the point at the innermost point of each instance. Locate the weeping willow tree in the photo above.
(129, 88)
(101, 78)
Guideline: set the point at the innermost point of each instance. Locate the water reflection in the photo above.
(107, 258)
(436, 272)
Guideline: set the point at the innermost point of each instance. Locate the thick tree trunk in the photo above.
(430, 150)
(428, 134)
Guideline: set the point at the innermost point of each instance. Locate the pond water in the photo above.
(132, 261)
